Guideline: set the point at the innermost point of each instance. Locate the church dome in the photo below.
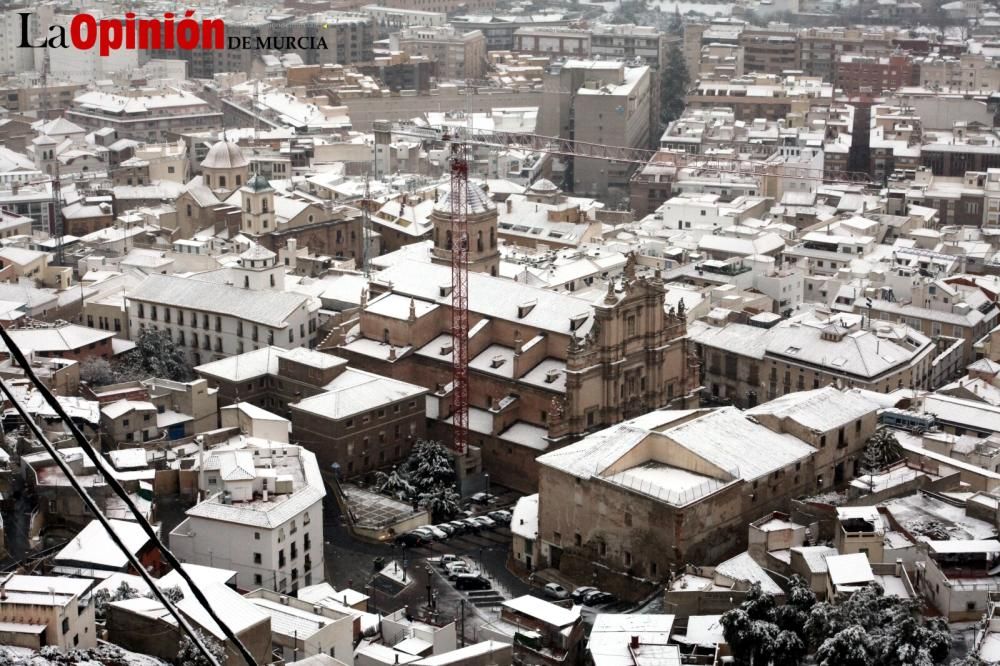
(478, 200)
(258, 183)
(224, 155)
(257, 252)
(544, 186)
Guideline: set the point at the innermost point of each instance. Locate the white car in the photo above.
(439, 534)
(556, 591)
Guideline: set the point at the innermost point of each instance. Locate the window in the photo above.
(577, 539)
(65, 625)
(258, 579)
(256, 558)
(628, 519)
(256, 536)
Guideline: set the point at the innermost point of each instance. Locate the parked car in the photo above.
(598, 598)
(446, 528)
(483, 498)
(486, 521)
(556, 591)
(447, 559)
(440, 535)
(410, 540)
(425, 532)
(502, 517)
(472, 523)
(472, 582)
(459, 570)
(460, 527)
(579, 593)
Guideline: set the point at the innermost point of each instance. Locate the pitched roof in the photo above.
(271, 308)
(356, 391)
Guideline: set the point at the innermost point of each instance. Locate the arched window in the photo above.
(246, 281)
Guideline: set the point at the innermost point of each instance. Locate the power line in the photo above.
(96, 510)
(116, 486)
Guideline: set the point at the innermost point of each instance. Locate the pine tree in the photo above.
(429, 466)
(673, 86)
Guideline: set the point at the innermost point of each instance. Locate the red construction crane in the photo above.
(459, 141)
(459, 297)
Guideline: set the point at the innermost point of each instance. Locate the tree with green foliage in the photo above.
(628, 11)
(190, 655)
(155, 355)
(443, 502)
(881, 450)
(674, 82)
(97, 371)
(866, 629)
(394, 484)
(430, 466)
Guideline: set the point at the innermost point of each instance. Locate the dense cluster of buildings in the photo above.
(687, 332)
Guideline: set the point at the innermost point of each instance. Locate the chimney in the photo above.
(634, 643)
(510, 206)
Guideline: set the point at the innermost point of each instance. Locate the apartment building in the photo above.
(874, 75)
(628, 41)
(553, 42)
(963, 73)
(47, 610)
(820, 48)
(769, 51)
(262, 516)
(144, 116)
(761, 95)
(459, 55)
(602, 102)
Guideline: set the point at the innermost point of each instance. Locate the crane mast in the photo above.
(460, 297)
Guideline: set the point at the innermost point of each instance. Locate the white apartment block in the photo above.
(13, 59)
(210, 320)
(36, 611)
(145, 115)
(262, 516)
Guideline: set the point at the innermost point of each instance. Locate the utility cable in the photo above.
(18, 356)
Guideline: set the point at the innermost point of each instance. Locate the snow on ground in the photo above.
(393, 571)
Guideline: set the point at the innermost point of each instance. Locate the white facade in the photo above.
(263, 517)
(54, 602)
(14, 60)
(210, 321)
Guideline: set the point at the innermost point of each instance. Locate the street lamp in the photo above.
(487, 475)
